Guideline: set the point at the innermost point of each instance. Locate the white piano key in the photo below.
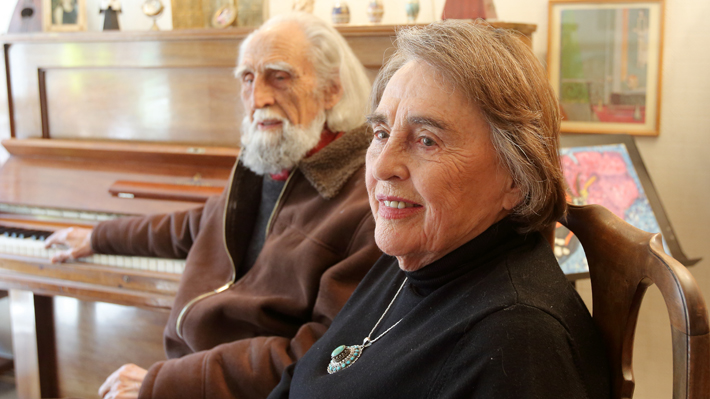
(112, 261)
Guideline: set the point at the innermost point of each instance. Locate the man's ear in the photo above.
(333, 93)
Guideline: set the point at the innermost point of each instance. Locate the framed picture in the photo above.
(224, 17)
(608, 170)
(64, 15)
(604, 63)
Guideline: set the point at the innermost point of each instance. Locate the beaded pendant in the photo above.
(343, 357)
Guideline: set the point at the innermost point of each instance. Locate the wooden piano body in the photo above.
(95, 118)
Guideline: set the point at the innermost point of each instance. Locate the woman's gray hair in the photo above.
(498, 73)
(335, 63)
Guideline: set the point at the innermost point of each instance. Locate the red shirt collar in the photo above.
(326, 137)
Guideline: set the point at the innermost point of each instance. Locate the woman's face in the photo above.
(433, 176)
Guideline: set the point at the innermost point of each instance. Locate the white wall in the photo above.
(677, 160)
(131, 17)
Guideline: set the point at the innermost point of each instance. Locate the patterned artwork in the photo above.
(601, 175)
(604, 64)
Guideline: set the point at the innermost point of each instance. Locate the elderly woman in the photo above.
(462, 175)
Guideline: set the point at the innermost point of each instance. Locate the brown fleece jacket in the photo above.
(230, 337)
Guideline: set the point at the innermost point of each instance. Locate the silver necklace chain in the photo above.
(345, 356)
(367, 341)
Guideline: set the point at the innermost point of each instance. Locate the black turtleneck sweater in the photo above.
(496, 318)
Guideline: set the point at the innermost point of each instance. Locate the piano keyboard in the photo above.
(24, 242)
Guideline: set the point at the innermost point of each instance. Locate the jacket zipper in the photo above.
(183, 311)
(278, 202)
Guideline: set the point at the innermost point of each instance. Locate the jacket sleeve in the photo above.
(251, 368)
(164, 236)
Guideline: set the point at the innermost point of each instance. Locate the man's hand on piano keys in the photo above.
(76, 240)
(124, 383)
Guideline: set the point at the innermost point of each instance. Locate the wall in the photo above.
(677, 160)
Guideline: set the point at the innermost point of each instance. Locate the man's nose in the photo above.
(262, 94)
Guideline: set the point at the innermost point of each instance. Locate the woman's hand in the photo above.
(77, 239)
(124, 383)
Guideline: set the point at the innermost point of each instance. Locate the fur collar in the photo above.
(330, 168)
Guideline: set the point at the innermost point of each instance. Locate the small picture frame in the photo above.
(604, 63)
(63, 15)
(224, 16)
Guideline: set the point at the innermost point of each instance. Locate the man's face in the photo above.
(276, 73)
(285, 107)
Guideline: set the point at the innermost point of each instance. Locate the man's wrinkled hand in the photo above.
(76, 240)
(124, 383)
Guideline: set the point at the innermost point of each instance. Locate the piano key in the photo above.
(112, 261)
(144, 263)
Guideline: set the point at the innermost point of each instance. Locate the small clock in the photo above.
(153, 8)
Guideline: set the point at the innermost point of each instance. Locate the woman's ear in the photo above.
(512, 196)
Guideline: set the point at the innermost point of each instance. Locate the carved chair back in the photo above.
(623, 262)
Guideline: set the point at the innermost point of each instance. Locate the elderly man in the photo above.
(270, 262)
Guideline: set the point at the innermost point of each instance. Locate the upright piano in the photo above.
(103, 125)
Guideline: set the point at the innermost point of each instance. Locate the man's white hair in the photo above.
(333, 61)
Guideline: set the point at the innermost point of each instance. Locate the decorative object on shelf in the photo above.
(469, 9)
(340, 13)
(412, 9)
(188, 14)
(110, 9)
(303, 5)
(153, 9)
(225, 16)
(64, 15)
(604, 63)
(26, 18)
(252, 12)
(375, 11)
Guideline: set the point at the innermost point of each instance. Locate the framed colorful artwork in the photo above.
(64, 15)
(608, 170)
(604, 63)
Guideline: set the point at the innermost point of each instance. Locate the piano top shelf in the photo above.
(216, 34)
(220, 157)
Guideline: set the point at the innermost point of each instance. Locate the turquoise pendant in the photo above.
(343, 357)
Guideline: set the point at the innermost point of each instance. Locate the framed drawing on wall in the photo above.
(64, 15)
(604, 63)
(607, 169)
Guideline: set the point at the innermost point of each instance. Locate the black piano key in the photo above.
(18, 233)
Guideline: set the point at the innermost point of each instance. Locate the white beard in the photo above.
(274, 151)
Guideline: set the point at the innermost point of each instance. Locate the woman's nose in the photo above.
(390, 162)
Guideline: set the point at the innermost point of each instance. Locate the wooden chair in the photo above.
(623, 262)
